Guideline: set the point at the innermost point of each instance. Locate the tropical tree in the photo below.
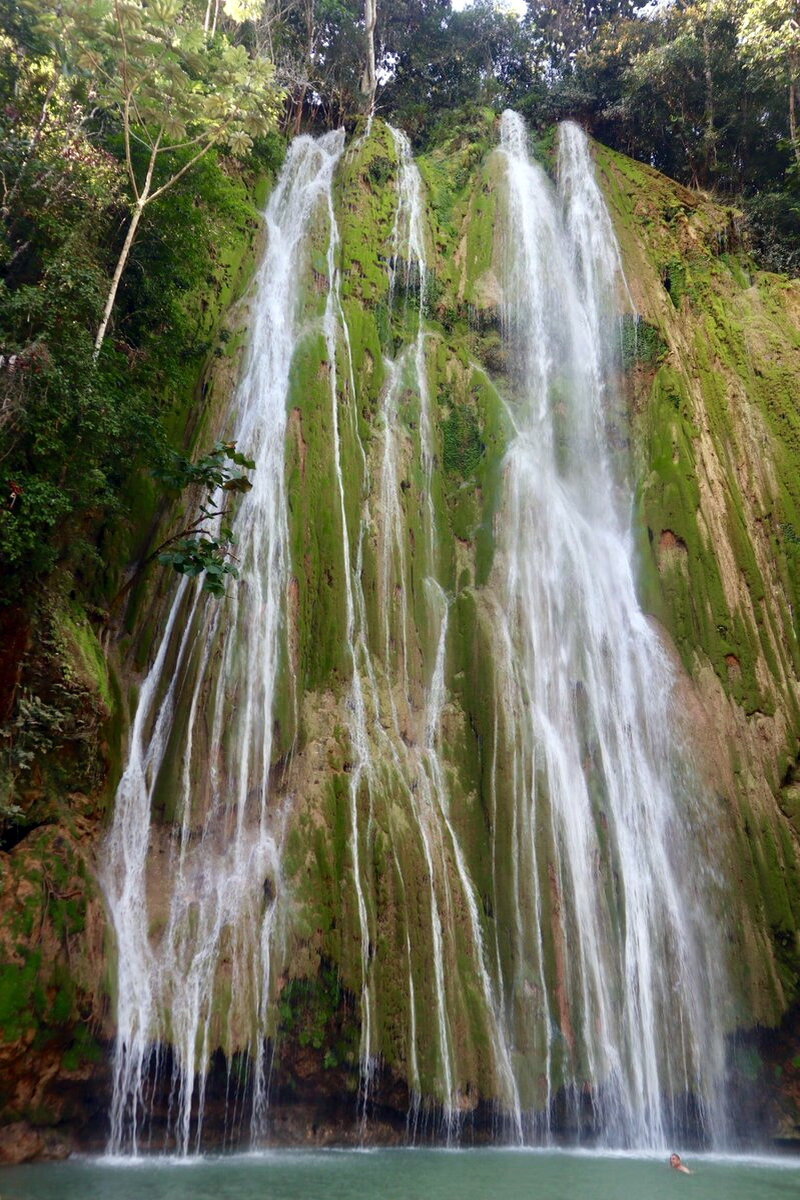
(560, 29)
(36, 54)
(436, 60)
(204, 543)
(684, 90)
(174, 91)
(769, 32)
(237, 11)
(319, 58)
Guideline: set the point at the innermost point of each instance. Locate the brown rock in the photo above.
(19, 1143)
(56, 1148)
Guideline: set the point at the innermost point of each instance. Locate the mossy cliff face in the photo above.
(711, 373)
(717, 443)
(430, 535)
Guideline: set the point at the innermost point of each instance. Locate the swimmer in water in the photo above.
(677, 1165)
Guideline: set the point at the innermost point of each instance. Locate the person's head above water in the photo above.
(674, 1160)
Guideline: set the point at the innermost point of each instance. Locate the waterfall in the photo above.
(612, 974)
(194, 898)
(393, 722)
(428, 794)
(576, 952)
(408, 277)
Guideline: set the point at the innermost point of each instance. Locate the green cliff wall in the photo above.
(715, 427)
(711, 372)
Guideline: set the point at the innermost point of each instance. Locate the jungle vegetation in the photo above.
(133, 134)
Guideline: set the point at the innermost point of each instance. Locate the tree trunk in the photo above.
(141, 200)
(122, 260)
(711, 137)
(310, 14)
(298, 117)
(369, 80)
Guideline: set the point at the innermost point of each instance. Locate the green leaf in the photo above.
(238, 483)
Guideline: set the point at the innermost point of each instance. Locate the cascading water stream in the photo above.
(420, 767)
(393, 716)
(609, 887)
(194, 903)
(359, 718)
(408, 275)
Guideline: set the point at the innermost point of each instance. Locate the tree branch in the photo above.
(186, 167)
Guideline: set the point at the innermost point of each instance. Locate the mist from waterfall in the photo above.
(614, 939)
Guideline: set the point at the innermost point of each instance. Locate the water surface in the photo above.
(405, 1175)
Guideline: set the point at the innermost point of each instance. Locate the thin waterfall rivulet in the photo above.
(394, 733)
(558, 960)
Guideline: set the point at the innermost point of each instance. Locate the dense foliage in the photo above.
(114, 119)
(705, 90)
(120, 121)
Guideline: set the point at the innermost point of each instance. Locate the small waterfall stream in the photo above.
(394, 733)
(193, 904)
(410, 249)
